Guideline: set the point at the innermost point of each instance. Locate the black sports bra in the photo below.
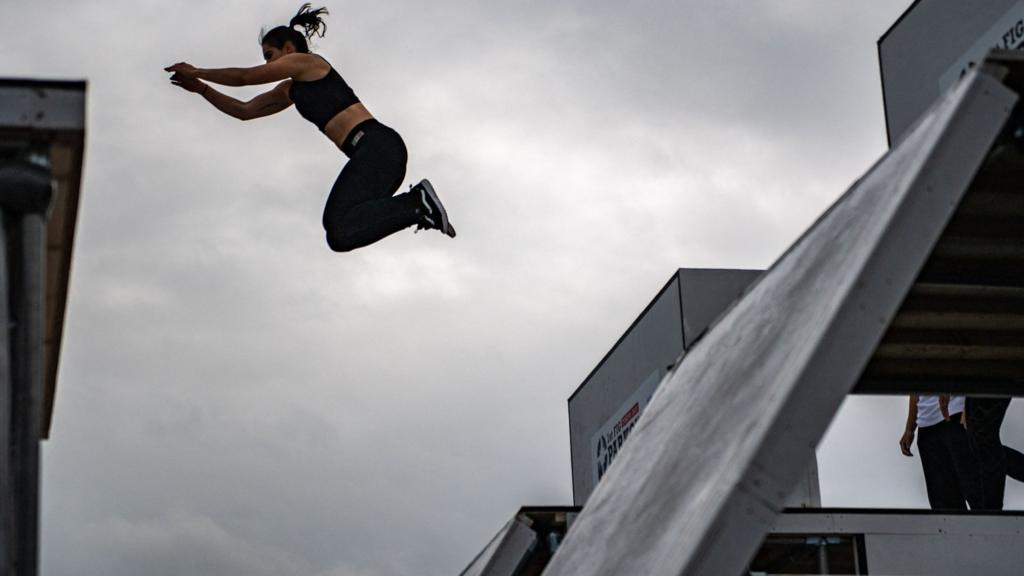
(320, 100)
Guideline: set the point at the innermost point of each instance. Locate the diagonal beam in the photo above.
(725, 437)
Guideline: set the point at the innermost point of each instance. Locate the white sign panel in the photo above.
(1006, 34)
(610, 437)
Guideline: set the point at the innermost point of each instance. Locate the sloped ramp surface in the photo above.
(727, 434)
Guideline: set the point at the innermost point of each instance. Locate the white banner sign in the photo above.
(1007, 34)
(610, 437)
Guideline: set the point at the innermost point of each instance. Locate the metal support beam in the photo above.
(28, 398)
(6, 387)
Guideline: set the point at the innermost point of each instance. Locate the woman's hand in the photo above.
(189, 83)
(183, 68)
(906, 441)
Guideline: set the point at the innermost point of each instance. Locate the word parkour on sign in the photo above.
(608, 445)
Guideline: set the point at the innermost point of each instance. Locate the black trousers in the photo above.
(362, 207)
(1014, 463)
(950, 468)
(984, 419)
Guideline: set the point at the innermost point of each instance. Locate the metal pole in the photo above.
(6, 385)
(823, 556)
(26, 188)
(28, 399)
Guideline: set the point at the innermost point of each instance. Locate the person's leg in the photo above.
(361, 208)
(1014, 464)
(962, 458)
(984, 419)
(939, 475)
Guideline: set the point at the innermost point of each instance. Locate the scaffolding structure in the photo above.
(760, 389)
(911, 282)
(42, 129)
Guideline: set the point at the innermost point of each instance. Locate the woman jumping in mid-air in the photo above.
(362, 207)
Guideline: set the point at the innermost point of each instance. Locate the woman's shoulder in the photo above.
(314, 67)
(314, 57)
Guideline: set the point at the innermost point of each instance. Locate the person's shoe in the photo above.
(434, 215)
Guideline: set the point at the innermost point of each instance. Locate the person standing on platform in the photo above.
(984, 418)
(950, 469)
(954, 472)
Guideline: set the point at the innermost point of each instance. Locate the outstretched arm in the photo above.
(265, 104)
(287, 66)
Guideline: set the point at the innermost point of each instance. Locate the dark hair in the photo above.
(312, 24)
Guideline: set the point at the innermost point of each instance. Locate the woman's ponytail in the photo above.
(312, 24)
(310, 20)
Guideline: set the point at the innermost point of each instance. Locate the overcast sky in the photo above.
(234, 398)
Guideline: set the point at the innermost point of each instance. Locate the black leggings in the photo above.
(970, 464)
(984, 419)
(362, 207)
(950, 469)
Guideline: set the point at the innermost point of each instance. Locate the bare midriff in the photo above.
(337, 128)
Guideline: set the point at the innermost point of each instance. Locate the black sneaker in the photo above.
(434, 215)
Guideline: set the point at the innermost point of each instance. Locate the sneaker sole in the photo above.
(446, 226)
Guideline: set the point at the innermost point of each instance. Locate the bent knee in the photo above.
(341, 242)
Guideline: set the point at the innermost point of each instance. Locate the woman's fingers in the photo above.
(187, 82)
(181, 68)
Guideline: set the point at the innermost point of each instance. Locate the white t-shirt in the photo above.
(928, 413)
